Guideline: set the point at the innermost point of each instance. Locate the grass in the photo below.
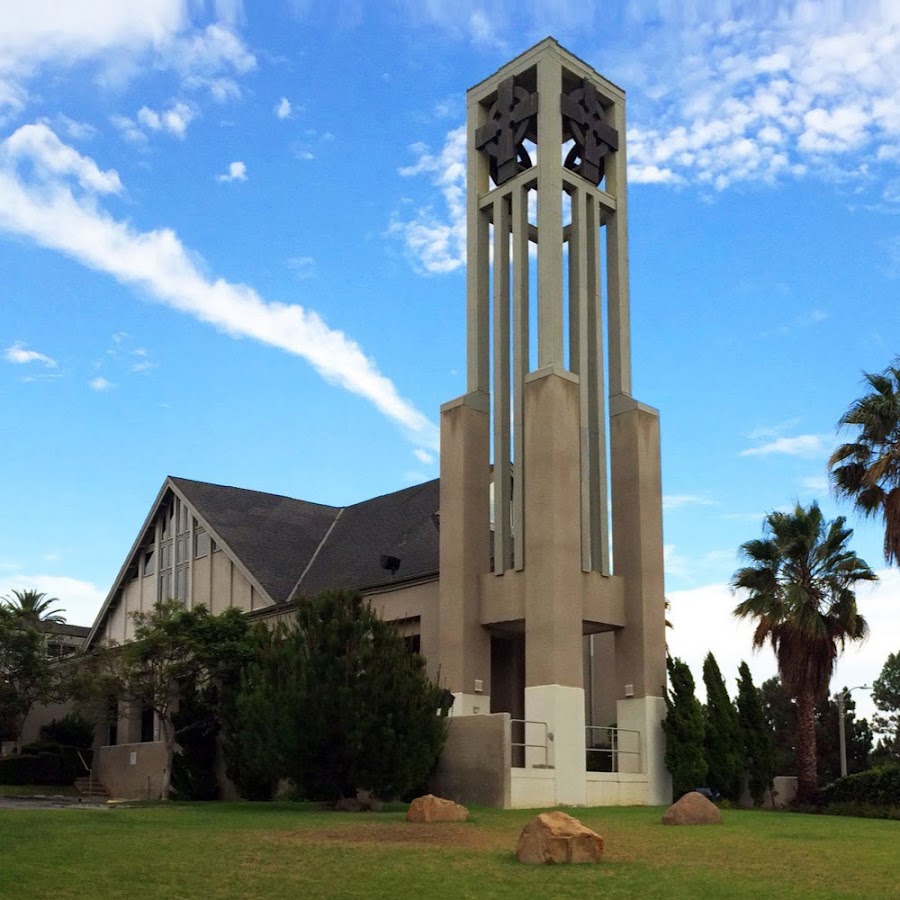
(283, 850)
(38, 790)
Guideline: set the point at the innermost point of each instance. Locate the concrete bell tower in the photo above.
(551, 511)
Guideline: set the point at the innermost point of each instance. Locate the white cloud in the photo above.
(437, 242)
(51, 215)
(121, 40)
(302, 266)
(79, 600)
(423, 456)
(100, 384)
(39, 146)
(283, 109)
(237, 171)
(174, 120)
(677, 501)
(19, 355)
(806, 445)
(700, 612)
(817, 484)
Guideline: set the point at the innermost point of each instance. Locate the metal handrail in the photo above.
(614, 749)
(525, 745)
(90, 771)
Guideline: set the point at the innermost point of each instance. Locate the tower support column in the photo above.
(465, 646)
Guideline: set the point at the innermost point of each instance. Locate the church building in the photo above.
(530, 575)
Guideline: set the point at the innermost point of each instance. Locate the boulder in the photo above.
(435, 809)
(556, 837)
(693, 809)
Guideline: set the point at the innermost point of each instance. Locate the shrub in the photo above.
(21, 769)
(877, 787)
(61, 765)
(72, 730)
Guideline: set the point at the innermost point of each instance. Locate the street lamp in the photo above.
(841, 701)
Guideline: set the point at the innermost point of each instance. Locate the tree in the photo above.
(173, 648)
(867, 470)
(337, 704)
(683, 726)
(756, 737)
(34, 606)
(26, 676)
(886, 694)
(780, 713)
(722, 735)
(799, 588)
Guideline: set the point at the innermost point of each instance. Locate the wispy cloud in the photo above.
(173, 120)
(120, 42)
(436, 240)
(237, 171)
(20, 355)
(672, 502)
(302, 266)
(100, 384)
(423, 456)
(46, 209)
(283, 109)
(817, 484)
(806, 445)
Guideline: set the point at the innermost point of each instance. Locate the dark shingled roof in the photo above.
(400, 524)
(274, 537)
(280, 539)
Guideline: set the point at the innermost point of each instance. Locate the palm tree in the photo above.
(800, 588)
(34, 606)
(867, 470)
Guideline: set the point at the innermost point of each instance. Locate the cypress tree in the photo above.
(722, 735)
(683, 726)
(759, 749)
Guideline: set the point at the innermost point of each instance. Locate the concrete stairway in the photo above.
(91, 788)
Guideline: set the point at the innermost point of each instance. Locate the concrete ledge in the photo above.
(477, 400)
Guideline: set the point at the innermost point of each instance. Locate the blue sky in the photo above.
(232, 249)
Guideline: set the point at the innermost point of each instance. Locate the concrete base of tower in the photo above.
(644, 715)
(555, 713)
(470, 704)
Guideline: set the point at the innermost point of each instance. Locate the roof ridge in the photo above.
(312, 558)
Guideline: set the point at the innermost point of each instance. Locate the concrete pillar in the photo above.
(465, 650)
(554, 679)
(638, 547)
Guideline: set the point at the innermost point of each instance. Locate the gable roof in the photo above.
(275, 537)
(291, 547)
(400, 524)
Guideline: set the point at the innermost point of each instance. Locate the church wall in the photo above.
(221, 583)
(415, 600)
(200, 581)
(241, 590)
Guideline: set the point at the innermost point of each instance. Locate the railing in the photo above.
(617, 742)
(90, 774)
(520, 748)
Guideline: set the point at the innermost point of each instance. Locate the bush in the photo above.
(877, 787)
(61, 764)
(21, 769)
(72, 730)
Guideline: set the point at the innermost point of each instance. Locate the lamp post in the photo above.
(841, 701)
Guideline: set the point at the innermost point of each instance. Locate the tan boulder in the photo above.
(556, 837)
(693, 809)
(435, 809)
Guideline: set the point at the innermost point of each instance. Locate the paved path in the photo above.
(49, 803)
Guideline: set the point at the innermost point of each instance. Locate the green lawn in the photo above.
(231, 850)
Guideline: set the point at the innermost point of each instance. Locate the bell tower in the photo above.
(551, 512)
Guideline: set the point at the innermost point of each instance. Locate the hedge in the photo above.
(876, 787)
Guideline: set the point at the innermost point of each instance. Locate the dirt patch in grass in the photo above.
(446, 834)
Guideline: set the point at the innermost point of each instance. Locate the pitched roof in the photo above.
(275, 537)
(400, 524)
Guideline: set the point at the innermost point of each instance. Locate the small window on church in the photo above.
(202, 543)
(149, 562)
